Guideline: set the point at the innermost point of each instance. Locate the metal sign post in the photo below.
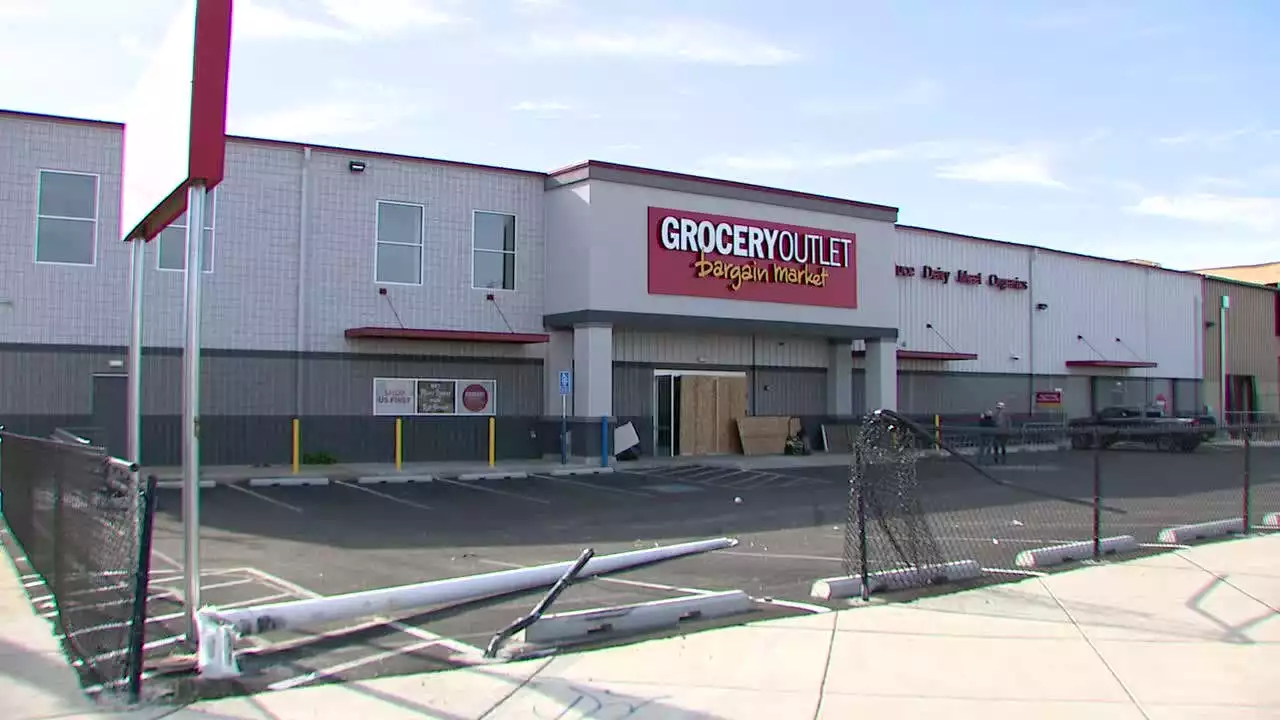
(138, 248)
(191, 408)
(566, 387)
(1222, 360)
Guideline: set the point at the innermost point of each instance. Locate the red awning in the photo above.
(396, 333)
(1124, 364)
(927, 355)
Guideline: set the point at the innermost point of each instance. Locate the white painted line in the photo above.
(1070, 552)
(469, 652)
(1164, 546)
(177, 484)
(514, 475)
(851, 586)
(808, 607)
(603, 488)
(395, 479)
(1010, 571)
(332, 670)
(157, 555)
(1271, 520)
(264, 498)
(561, 472)
(1201, 531)
(779, 556)
(385, 496)
(481, 488)
(637, 618)
(287, 481)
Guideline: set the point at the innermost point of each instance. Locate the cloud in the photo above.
(1257, 213)
(541, 106)
(345, 20)
(918, 94)
(1213, 141)
(255, 21)
(1021, 168)
(377, 108)
(930, 150)
(672, 41)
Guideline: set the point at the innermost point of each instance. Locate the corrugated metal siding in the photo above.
(967, 318)
(1252, 345)
(1152, 311)
(723, 350)
(790, 392)
(632, 391)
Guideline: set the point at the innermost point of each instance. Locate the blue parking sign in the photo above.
(566, 382)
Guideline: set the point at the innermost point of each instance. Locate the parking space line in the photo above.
(332, 670)
(591, 486)
(466, 650)
(264, 498)
(481, 488)
(385, 496)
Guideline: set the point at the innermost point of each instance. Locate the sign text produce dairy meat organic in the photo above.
(736, 258)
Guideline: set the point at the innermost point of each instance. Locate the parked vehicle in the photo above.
(1141, 425)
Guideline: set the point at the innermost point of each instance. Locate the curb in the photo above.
(287, 481)
(564, 472)
(1076, 551)
(512, 475)
(177, 484)
(394, 479)
(1181, 534)
(1271, 520)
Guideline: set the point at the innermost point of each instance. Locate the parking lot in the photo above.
(265, 544)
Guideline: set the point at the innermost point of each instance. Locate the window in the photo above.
(493, 242)
(171, 243)
(67, 218)
(399, 246)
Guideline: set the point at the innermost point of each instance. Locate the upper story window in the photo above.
(171, 243)
(398, 252)
(67, 218)
(493, 254)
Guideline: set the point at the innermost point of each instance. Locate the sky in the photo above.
(1124, 128)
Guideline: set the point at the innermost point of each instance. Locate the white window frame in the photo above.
(205, 267)
(515, 266)
(421, 244)
(97, 214)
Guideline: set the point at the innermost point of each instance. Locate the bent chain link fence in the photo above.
(83, 522)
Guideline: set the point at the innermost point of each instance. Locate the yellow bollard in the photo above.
(399, 444)
(937, 429)
(297, 445)
(492, 436)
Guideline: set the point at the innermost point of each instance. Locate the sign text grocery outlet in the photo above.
(735, 258)
(959, 277)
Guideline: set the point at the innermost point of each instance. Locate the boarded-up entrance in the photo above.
(700, 411)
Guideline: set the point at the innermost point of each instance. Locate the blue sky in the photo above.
(1136, 129)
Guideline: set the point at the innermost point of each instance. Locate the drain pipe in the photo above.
(300, 331)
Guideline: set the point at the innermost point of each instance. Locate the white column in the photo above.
(882, 375)
(840, 378)
(593, 371)
(559, 356)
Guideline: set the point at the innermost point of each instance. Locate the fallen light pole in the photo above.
(220, 628)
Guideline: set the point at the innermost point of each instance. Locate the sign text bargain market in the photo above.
(715, 256)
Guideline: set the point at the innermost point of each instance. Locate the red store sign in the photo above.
(715, 256)
(959, 277)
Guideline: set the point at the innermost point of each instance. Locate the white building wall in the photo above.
(617, 250)
(980, 319)
(1153, 312)
(735, 350)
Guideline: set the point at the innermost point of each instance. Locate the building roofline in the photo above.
(717, 187)
(59, 118)
(1238, 267)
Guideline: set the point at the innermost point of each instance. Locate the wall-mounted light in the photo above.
(356, 166)
(1209, 323)
(115, 363)
(1042, 306)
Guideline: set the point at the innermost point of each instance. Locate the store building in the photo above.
(1250, 341)
(348, 288)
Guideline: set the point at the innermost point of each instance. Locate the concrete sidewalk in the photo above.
(1192, 633)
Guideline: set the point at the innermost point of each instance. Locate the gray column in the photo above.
(882, 375)
(559, 356)
(593, 371)
(840, 379)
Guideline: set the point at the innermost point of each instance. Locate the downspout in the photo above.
(300, 337)
(1031, 333)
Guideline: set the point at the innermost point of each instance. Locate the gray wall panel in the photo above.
(790, 392)
(632, 391)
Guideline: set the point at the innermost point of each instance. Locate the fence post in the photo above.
(1248, 481)
(1097, 494)
(493, 432)
(142, 588)
(297, 445)
(937, 429)
(604, 441)
(860, 487)
(399, 444)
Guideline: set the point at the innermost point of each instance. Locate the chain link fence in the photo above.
(84, 524)
(1017, 502)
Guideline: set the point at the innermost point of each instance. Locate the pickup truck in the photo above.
(1152, 427)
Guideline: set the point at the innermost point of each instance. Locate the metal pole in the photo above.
(134, 399)
(1097, 495)
(1247, 510)
(1222, 361)
(191, 410)
(564, 429)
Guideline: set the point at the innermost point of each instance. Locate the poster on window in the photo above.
(403, 397)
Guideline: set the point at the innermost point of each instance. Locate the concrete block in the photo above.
(177, 484)
(511, 475)
(394, 479)
(1271, 520)
(851, 586)
(584, 625)
(296, 481)
(1068, 552)
(1180, 534)
(586, 470)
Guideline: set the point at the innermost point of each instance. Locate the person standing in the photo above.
(986, 436)
(1004, 426)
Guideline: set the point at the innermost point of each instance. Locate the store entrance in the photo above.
(695, 412)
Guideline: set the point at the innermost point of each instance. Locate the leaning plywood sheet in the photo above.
(838, 437)
(763, 435)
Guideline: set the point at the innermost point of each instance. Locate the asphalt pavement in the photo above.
(266, 544)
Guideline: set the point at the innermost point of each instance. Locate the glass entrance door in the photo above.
(666, 415)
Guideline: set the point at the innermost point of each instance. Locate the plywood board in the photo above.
(763, 435)
(731, 406)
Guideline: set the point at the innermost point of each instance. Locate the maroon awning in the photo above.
(1124, 364)
(396, 333)
(927, 355)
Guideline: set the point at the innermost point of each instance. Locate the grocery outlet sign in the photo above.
(732, 258)
(959, 277)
